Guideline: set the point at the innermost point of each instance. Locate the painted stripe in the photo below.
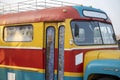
(11, 47)
(23, 68)
(85, 47)
(91, 47)
(72, 74)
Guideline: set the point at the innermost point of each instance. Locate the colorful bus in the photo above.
(60, 43)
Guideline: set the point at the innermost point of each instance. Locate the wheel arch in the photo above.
(102, 76)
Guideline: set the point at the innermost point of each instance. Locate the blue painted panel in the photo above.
(21, 75)
(28, 75)
(109, 67)
(73, 78)
(3, 73)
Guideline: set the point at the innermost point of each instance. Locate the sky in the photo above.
(111, 7)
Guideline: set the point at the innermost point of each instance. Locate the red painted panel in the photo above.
(24, 58)
(70, 59)
(36, 58)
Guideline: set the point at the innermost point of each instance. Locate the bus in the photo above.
(59, 43)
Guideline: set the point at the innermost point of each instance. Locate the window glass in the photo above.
(94, 14)
(92, 32)
(107, 33)
(97, 36)
(18, 33)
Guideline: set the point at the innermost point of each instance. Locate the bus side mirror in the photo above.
(118, 44)
(76, 30)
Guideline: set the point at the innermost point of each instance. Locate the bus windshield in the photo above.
(92, 32)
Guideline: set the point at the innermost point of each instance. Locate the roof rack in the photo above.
(31, 5)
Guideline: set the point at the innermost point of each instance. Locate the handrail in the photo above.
(31, 5)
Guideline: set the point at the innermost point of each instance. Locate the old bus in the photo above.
(62, 43)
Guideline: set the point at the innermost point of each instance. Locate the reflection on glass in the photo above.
(18, 33)
(107, 33)
(92, 32)
(61, 54)
(50, 54)
(94, 14)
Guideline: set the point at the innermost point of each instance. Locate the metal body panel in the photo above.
(109, 67)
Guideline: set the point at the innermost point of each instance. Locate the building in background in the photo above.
(3, 4)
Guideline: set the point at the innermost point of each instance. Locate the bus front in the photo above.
(94, 40)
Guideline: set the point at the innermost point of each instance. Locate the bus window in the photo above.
(107, 33)
(18, 33)
(85, 34)
(92, 32)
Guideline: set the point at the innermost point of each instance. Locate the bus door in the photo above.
(54, 65)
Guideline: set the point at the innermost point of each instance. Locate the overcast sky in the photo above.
(111, 7)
